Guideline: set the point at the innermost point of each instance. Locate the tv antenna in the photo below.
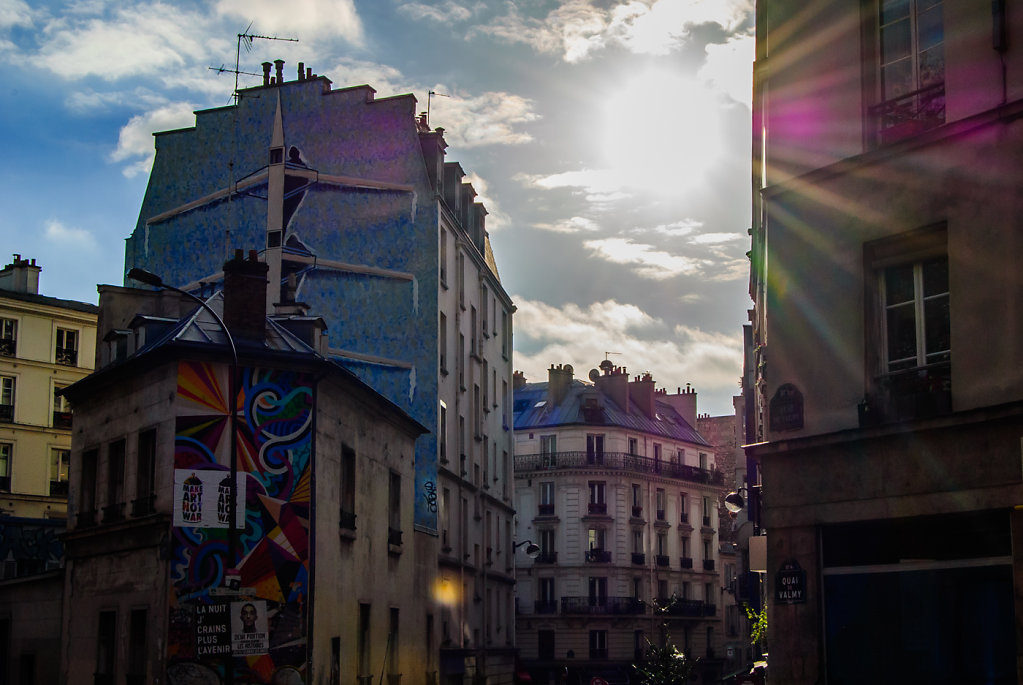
(245, 38)
(429, 99)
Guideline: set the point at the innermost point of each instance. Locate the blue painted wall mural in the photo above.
(259, 626)
(328, 135)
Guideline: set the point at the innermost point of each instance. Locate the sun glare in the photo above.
(662, 131)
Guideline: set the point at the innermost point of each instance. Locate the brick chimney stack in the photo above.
(21, 276)
(518, 380)
(684, 402)
(641, 391)
(245, 296)
(559, 379)
(614, 383)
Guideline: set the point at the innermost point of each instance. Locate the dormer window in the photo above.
(276, 155)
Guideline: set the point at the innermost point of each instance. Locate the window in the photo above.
(633, 446)
(145, 474)
(477, 412)
(546, 507)
(60, 462)
(657, 458)
(106, 647)
(66, 351)
(8, 337)
(595, 538)
(506, 338)
(704, 461)
(473, 332)
(597, 503)
(912, 67)
(392, 643)
(460, 275)
(114, 509)
(546, 600)
(461, 361)
(7, 386)
(595, 449)
(138, 621)
(442, 343)
(598, 644)
(661, 504)
(706, 510)
(683, 507)
(485, 309)
(394, 510)
(598, 591)
(61, 409)
(662, 545)
(346, 493)
(87, 500)
(545, 645)
(546, 543)
(443, 258)
(442, 433)
(6, 455)
(363, 641)
(637, 540)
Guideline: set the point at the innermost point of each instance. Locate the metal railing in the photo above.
(910, 113)
(638, 558)
(689, 608)
(542, 606)
(708, 564)
(617, 460)
(662, 560)
(620, 606)
(687, 562)
(598, 556)
(144, 505)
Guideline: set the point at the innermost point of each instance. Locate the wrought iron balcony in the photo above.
(638, 558)
(916, 393)
(687, 562)
(637, 512)
(684, 518)
(559, 461)
(708, 564)
(662, 560)
(58, 488)
(687, 608)
(598, 556)
(7, 413)
(62, 419)
(597, 508)
(910, 113)
(7, 346)
(113, 513)
(545, 510)
(67, 356)
(144, 505)
(620, 606)
(547, 557)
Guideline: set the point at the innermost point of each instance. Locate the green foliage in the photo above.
(758, 624)
(665, 665)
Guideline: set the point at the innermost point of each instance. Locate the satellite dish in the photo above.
(594, 375)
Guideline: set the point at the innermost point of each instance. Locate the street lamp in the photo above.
(149, 278)
(532, 549)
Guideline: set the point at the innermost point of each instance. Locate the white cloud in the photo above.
(599, 185)
(136, 137)
(496, 217)
(143, 39)
(582, 335)
(675, 229)
(302, 19)
(490, 118)
(68, 237)
(575, 224)
(716, 238)
(729, 68)
(646, 260)
(446, 13)
(15, 13)
(578, 28)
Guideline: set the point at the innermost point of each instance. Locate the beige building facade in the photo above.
(620, 494)
(886, 244)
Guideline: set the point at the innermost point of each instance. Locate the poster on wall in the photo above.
(202, 498)
(248, 628)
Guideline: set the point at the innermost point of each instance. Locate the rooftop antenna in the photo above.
(607, 353)
(245, 38)
(429, 99)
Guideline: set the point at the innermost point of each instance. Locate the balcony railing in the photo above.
(542, 606)
(7, 346)
(689, 608)
(684, 518)
(597, 508)
(7, 413)
(62, 419)
(638, 558)
(910, 113)
(545, 510)
(550, 557)
(58, 488)
(67, 356)
(916, 393)
(598, 556)
(662, 560)
(621, 606)
(637, 512)
(597, 653)
(620, 461)
(687, 562)
(708, 564)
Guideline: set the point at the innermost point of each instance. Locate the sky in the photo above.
(608, 139)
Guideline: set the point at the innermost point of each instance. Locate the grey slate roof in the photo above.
(533, 408)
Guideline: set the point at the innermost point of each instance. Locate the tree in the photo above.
(667, 664)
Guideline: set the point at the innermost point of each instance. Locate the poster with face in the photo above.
(249, 635)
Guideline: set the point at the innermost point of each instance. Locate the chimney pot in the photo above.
(266, 73)
(279, 70)
(301, 71)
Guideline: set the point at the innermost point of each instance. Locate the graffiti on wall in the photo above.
(215, 598)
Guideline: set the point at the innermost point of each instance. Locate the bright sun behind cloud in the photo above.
(662, 131)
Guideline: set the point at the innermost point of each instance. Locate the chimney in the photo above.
(21, 276)
(266, 73)
(245, 296)
(559, 379)
(684, 402)
(301, 71)
(518, 380)
(614, 383)
(642, 392)
(279, 68)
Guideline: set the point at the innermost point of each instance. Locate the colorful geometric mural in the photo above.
(270, 570)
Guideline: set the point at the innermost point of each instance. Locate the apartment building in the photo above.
(619, 493)
(348, 198)
(888, 394)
